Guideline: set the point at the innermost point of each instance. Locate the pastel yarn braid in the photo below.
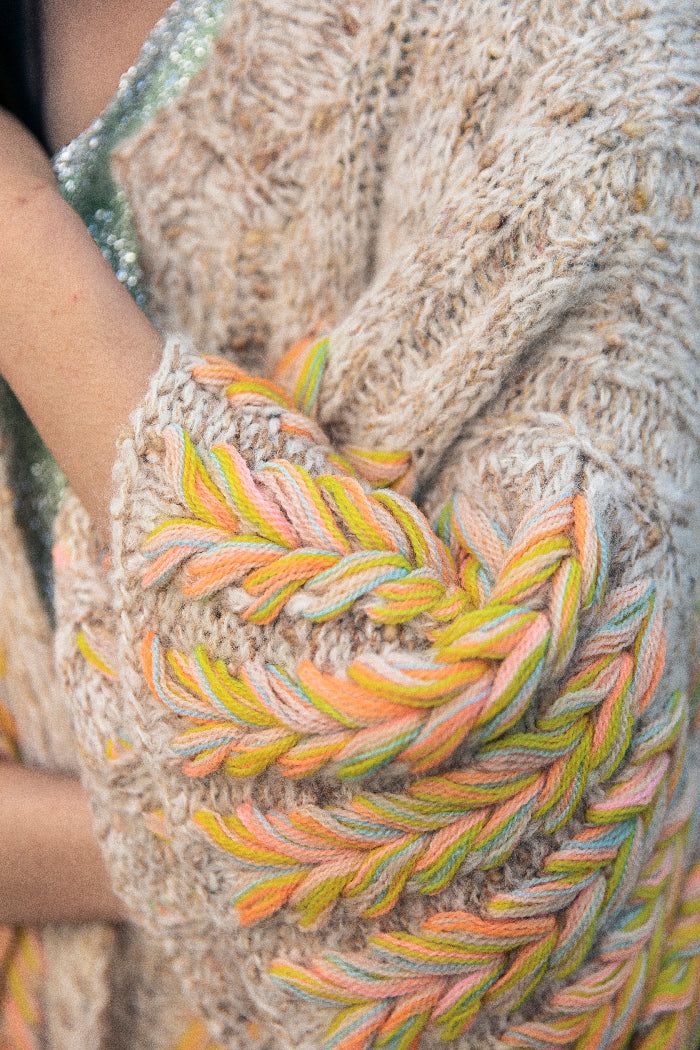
(495, 663)
(644, 966)
(319, 546)
(462, 961)
(295, 384)
(474, 816)
(301, 371)
(671, 1014)
(456, 822)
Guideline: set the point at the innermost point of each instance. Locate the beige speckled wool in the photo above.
(492, 212)
(75, 958)
(99, 991)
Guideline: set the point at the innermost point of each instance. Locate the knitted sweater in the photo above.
(383, 692)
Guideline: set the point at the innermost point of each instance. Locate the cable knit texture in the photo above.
(383, 694)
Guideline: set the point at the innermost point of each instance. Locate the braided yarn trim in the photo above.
(462, 963)
(671, 1015)
(524, 671)
(496, 621)
(470, 818)
(295, 385)
(443, 826)
(301, 371)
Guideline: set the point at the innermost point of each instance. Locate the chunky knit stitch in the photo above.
(510, 720)
(384, 697)
(403, 741)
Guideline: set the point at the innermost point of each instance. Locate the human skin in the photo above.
(62, 316)
(86, 46)
(50, 866)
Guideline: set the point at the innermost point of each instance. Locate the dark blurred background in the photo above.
(20, 62)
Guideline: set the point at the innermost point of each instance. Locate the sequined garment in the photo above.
(371, 772)
(173, 52)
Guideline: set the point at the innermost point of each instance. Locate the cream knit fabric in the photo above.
(492, 212)
(98, 983)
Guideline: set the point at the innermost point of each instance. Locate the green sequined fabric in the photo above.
(176, 48)
(37, 485)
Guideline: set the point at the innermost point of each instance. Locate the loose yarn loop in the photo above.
(301, 371)
(547, 716)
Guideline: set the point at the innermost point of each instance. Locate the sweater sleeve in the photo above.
(533, 331)
(418, 775)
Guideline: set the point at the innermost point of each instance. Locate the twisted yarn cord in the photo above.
(301, 371)
(671, 1012)
(319, 546)
(652, 948)
(458, 821)
(497, 662)
(463, 962)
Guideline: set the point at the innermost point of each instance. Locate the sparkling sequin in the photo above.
(37, 486)
(173, 52)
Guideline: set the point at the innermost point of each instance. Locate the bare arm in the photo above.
(63, 316)
(50, 865)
